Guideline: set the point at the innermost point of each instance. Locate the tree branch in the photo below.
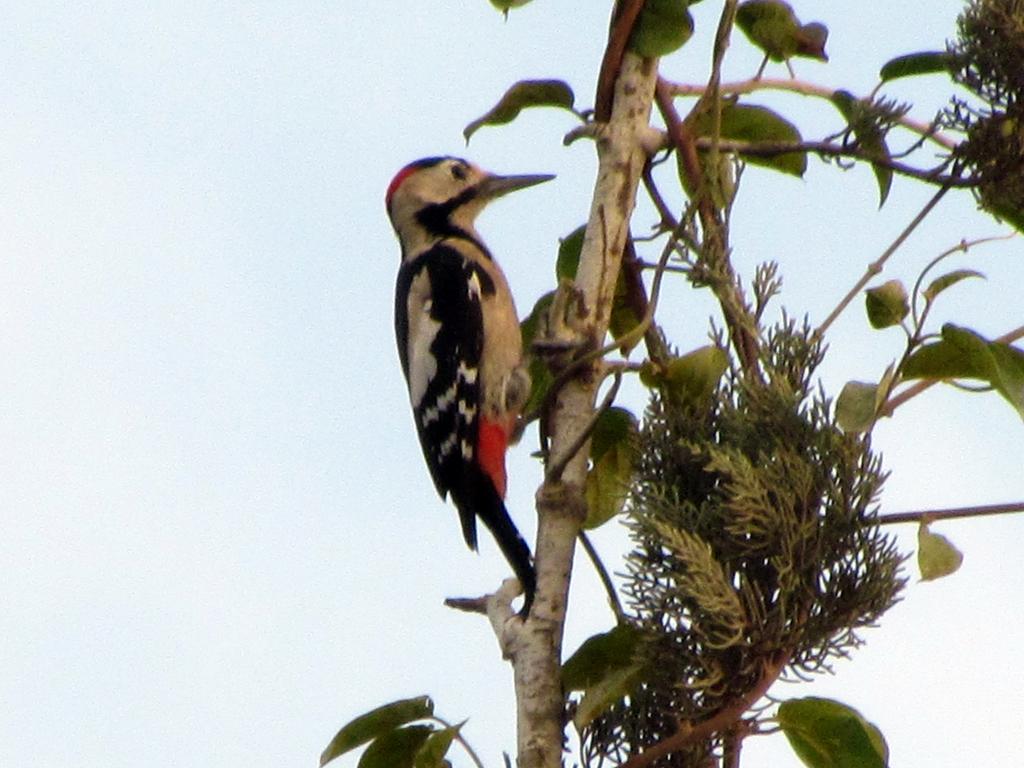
(688, 734)
(536, 646)
(953, 513)
(804, 88)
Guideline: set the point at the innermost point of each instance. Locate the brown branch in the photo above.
(631, 275)
(688, 734)
(625, 16)
(684, 141)
(953, 513)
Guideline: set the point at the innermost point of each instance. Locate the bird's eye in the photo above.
(459, 172)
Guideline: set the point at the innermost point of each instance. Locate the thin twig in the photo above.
(554, 469)
(953, 513)
(832, 149)
(962, 247)
(875, 267)
(602, 573)
(926, 130)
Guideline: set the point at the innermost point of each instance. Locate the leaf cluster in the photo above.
(988, 52)
(755, 540)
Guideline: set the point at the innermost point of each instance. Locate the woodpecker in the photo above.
(459, 342)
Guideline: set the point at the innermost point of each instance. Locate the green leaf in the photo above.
(690, 380)
(752, 123)
(662, 27)
(622, 319)
(376, 722)
(886, 304)
(827, 734)
(600, 655)
(963, 354)
(431, 754)
(606, 667)
(569, 248)
(540, 375)
(864, 124)
(524, 94)
(941, 283)
(857, 406)
(612, 455)
(773, 27)
(936, 555)
(605, 693)
(912, 64)
(397, 748)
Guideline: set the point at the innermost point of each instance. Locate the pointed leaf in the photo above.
(612, 454)
(431, 754)
(540, 375)
(857, 406)
(939, 284)
(397, 748)
(936, 555)
(827, 734)
(569, 248)
(886, 304)
(869, 135)
(607, 667)
(376, 722)
(963, 354)
(752, 123)
(662, 27)
(524, 94)
(623, 317)
(924, 63)
(603, 694)
(600, 655)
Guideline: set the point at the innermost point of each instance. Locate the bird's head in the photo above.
(441, 197)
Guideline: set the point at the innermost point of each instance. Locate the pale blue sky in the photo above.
(219, 541)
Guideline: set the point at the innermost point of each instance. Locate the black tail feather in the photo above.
(478, 498)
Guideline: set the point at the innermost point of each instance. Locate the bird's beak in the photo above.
(496, 186)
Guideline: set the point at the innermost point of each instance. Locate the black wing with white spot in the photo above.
(440, 345)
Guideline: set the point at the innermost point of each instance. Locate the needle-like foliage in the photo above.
(989, 51)
(755, 533)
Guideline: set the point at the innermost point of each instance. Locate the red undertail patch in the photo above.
(491, 443)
